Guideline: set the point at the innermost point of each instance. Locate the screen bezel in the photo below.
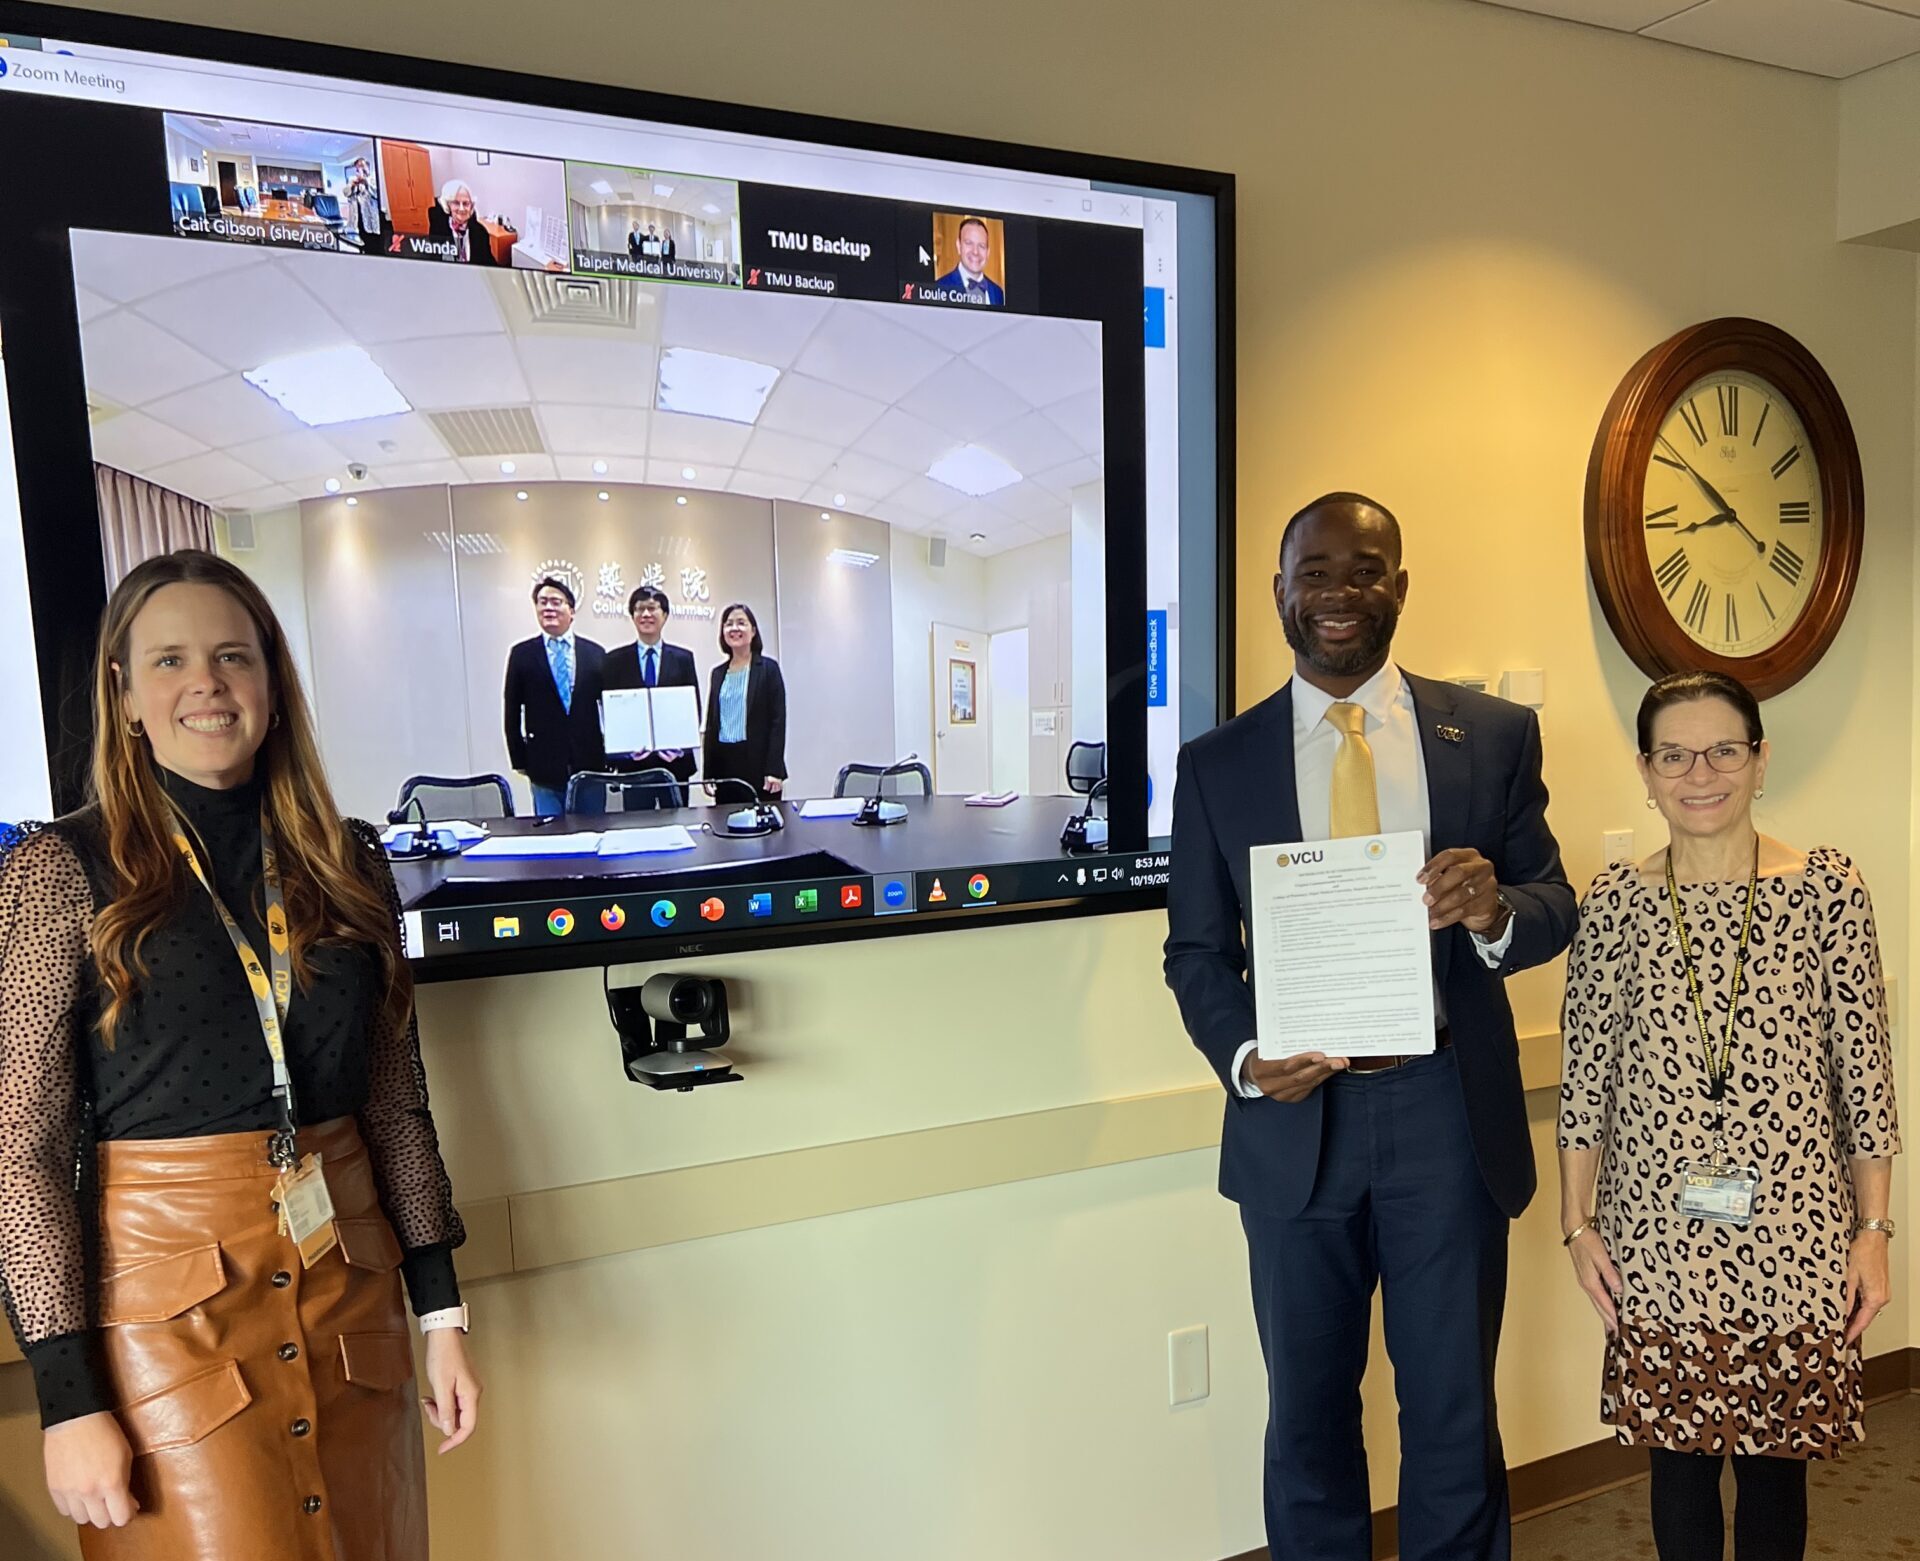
(64, 639)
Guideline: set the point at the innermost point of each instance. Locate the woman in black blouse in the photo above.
(206, 1391)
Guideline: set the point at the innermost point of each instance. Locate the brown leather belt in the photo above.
(1442, 1039)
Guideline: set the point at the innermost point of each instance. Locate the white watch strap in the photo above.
(448, 1317)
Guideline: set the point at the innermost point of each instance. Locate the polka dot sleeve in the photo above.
(1853, 1011)
(398, 1127)
(46, 909)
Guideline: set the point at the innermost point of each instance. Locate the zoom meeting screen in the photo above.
(462, 384)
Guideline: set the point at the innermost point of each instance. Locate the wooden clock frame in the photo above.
(1617, 554)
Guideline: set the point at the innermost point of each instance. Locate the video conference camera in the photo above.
(656, 1021)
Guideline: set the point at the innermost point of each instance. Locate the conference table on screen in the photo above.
(938, 833)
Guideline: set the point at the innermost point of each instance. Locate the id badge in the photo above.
(306, 1210)
(1718, 1192)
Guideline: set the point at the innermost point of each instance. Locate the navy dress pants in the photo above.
(1398, 1203)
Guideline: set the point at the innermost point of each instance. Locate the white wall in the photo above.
(1089, 536)
(923, 596)
(277, 564)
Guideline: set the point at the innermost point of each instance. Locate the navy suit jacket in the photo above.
(1235, 790)
(546, 740)
(954, 282)
(676, 670)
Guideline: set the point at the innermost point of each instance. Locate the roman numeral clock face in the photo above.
(1734, 521)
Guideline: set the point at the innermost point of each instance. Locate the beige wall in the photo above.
(1459, 227)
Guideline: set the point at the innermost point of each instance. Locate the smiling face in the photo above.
(460, 208)
(1339, 593)
(555, 615)
(649, 620)
(1703, 801)
(195, 675)
(973, 245)
(737, 632)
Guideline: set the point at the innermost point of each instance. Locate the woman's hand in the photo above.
(1597, 1276)
(774, 783)
(454, 1407)
(1868, 1286)
(88, 1462)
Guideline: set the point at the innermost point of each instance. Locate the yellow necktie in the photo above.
(1356, 802)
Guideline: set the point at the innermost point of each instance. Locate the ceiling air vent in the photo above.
(605, 301)
(483, 431)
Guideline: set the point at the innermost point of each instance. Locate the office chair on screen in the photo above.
(1086, 767)
(187, 200)
(327, 209)
(870, 780)
(593, 791)
(461, 796)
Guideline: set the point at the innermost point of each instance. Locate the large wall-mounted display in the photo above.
(954, 431)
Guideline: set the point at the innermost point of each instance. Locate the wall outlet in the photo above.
(1618, 845)
(1187, 1379)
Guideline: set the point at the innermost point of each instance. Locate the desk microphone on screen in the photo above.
(878, 810)
(757, 818)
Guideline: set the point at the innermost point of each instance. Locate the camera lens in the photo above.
(688, 1000)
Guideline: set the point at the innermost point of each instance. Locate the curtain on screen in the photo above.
(140, 520)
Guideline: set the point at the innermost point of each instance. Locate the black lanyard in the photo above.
(1720, 1063)
(271, 998)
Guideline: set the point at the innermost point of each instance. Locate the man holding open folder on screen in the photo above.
(1400, 1172)
(651, 662)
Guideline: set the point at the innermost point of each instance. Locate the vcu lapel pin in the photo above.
(1452, 734)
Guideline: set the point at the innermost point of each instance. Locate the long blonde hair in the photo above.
(333, 894)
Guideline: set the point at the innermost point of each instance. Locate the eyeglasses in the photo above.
(1724, 758)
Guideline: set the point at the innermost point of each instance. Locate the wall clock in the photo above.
(1724, 507)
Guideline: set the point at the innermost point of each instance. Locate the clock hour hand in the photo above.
(1707, 488)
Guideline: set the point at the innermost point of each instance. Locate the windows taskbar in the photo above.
(638, 917)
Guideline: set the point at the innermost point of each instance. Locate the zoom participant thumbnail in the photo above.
(251, 183)
(665, 227)
(806, 241)
(451, 204)
(966, 259)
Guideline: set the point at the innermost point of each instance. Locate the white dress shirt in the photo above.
(1399, 779)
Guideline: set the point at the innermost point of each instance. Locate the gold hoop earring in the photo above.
(273, 720)
(1759, 793)
(1651, 803)
(136, 729)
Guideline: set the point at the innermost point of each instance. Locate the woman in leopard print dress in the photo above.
(1726, 1339)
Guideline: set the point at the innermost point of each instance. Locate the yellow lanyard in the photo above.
(1720, 1065)
(271, 997)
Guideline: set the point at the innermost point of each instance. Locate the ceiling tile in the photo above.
(397, 303)
(1028, 501)
(288, 456)
(1031, 444)
(761, 327)
(437, 375)
(696, 441)
(210, 477)
(859, 347)
(666, 474)
(900, 440)
(1825, 37)
(1063, 479)
(927, 499)
(275, 497)
(383, 441)
(954, 328)
(782, 455)
(963, 402)
(92, 304)
(1081, 420)
(760, 485)
(225, 411)
(1624, 15)
(584, 369)
(814, 409)
(594, 431)
(856, 472)
(1043, 360)
(411, 474)
(246, 318)
(527, 468)
(125, 266)
(131, 360)
(134, 442)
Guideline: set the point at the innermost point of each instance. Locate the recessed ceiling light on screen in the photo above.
(973, 471)
(333, 385)
(710, 384)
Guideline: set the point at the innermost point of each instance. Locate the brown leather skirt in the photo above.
(271, 1409)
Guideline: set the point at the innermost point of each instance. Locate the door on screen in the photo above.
(1007, 705)
(961, 745)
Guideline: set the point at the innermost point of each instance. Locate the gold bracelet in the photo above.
(1576, 1233)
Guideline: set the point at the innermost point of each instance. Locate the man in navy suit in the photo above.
(652, 663)
(553, 701)
(970, 276)
(1352, 1173)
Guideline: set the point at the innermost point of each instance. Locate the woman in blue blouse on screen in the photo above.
(746, 741)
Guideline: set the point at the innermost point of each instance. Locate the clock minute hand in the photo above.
(1712, 493)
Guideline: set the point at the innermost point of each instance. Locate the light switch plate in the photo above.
(1618, 845)
(1187, 1374)
(1527, 687)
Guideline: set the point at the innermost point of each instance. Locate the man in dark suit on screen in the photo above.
(652, 663)
(1365, 1172)
(975, 245)
(553, 700)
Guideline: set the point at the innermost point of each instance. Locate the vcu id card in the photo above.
(306, 1210)
(1718, 1192)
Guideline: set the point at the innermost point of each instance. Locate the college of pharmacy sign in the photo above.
(693, 599)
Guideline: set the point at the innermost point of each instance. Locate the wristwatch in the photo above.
(446, 1317)
(1885, 1227)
